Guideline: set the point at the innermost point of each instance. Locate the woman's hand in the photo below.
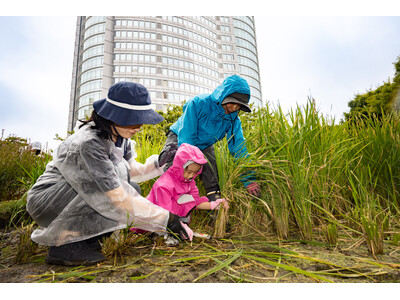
(177, 227)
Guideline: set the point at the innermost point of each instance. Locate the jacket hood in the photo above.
(184, 153)
(231, 84)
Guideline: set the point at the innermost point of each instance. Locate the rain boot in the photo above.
(73, 254)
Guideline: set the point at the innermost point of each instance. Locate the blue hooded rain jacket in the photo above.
(204, 121)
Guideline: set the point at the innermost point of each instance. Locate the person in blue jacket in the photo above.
(206, 119)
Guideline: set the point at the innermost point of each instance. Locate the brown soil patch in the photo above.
(233, 259)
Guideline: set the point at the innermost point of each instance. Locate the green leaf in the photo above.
(220, 266)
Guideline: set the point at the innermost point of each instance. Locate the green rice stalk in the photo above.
(373, 231)
(331, 234)
(225, 263)
(288, 268)
(25, 247)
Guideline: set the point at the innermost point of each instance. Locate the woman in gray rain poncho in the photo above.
(85, 192)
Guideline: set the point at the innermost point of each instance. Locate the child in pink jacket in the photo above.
(176, 189)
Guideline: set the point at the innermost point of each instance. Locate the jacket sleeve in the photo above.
(190, 118)
(143, 172)
(194, 192)
(237, 146)
(236, 142)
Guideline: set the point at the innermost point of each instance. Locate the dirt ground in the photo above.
(142, 259)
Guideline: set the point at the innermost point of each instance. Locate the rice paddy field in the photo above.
(329, 211)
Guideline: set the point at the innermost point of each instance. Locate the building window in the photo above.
(97, 39)
(229, 66)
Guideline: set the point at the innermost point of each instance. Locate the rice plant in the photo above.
(331, 233)
(26, 247)
(317, 177)
(17, 166)
(307, 166)
(320, 182)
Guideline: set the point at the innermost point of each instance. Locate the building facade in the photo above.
(175, 58)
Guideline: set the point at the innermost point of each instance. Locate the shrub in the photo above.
(17, 167)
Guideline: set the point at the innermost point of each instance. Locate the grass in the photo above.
(249, 259)
(316, 173)
(318, 179)
(25, 247)
(313, 173)
(19, 167)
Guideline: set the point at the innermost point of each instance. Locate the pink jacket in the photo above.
(168, 189)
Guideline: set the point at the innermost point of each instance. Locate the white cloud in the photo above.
(329, 58)
(40, 78)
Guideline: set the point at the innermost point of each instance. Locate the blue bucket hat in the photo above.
(127, 103)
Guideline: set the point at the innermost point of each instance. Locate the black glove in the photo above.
(174, 224)
(167, 155)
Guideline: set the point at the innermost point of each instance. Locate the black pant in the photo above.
(209, 175)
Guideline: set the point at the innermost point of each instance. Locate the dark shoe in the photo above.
(74, 254)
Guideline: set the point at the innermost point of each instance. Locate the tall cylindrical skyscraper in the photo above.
(175, 58)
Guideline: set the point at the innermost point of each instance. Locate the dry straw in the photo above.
(220, 223)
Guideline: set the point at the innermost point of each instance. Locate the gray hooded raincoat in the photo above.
(84, 192)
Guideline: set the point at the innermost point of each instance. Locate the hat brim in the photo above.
(243, 106)
(126, 117)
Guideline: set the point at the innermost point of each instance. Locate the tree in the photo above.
(381, 100)
(157, 133)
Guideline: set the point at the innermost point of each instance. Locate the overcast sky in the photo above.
(301, 53)
(328, 58)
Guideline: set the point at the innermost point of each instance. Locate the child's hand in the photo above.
(216, 204)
